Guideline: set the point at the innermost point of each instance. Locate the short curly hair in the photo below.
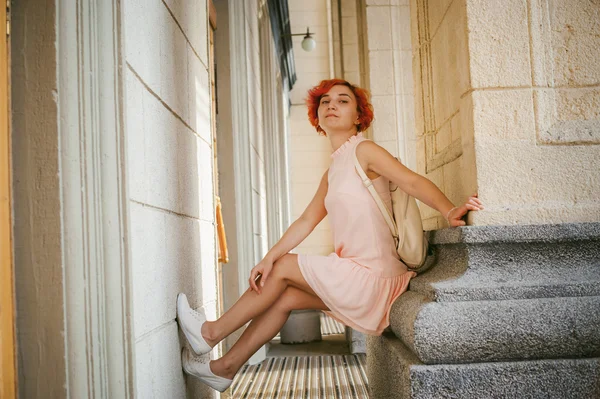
(363, 106)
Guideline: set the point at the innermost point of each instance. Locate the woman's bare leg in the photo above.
(286, 273)
(263, 328)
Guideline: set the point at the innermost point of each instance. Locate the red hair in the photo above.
(363, 106)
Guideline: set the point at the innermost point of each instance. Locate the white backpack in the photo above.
(404, 222)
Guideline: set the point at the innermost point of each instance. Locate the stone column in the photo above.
(508, 105)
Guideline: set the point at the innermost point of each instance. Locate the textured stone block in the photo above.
(437, 10)
(302, 326)
(357, 341)
(454, 186)
(351, 59)
(199, 101)
(381, 72)
(384, 126)
(564, 43)
(158, 364)
(505, 114)
(191, 16)
(394, 372)
(400, 21)
(205, 177)
(378, 2)
(567, 116)
(505, 293)
(379, 28)
(489, 331)
(557, 181)
(166, 157)
(449, 54)
(150, 33)
(166, 255)
(498, 43)
(349, 26)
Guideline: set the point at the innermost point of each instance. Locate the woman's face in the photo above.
(337, 109)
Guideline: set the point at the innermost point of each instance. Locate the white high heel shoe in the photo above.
(199, 367)
(191, 322)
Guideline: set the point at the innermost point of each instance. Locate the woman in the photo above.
(356, 284)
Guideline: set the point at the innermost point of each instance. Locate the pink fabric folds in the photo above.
(360, 281)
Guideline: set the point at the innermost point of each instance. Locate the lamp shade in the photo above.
(308, 43)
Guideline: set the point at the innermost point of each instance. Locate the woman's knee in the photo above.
(283, 266)
(287, 301)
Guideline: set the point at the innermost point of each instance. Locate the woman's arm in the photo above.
(294, 235)
(375, 158)
(304, 225)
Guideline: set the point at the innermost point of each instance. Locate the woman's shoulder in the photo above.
(368, 148)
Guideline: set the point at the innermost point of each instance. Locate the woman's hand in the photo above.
(454, 217)
(262, 269)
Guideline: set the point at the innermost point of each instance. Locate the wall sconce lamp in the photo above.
(308, 43)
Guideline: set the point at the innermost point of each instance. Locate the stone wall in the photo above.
(170, 159)
(508, 105)
(443, 103)
(536, 104)
(309, 152)
(390, 77)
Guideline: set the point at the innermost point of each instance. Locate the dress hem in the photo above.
(340, 317)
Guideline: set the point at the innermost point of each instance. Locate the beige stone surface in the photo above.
(516, 175)
(384, 125)
(379, 28)
(436, 11)
(454, 183)
(310, 152)
(443, 138)
(449, 63)
(568, 116)
(418, 93)
(505, 114)
(437, 177)
(567, 31)
(400, 15)
(498, 43)
(536, 214)
(421, 161)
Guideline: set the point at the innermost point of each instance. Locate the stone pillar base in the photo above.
(301, 327)
(357, 341)
(508, 312)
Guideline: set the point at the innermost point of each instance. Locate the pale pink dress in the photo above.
(360, 281)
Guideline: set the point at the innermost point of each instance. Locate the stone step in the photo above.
(394, 372)
(486, 331)
(498, 283)
(516, 256)
(513, 262)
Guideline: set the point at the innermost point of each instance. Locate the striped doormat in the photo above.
(331, 326)
(306, 377)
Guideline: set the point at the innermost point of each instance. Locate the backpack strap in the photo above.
(368, 183)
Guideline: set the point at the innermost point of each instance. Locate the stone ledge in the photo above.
(504, 271)
(507, 269)
(394, 372)
(485, 331)
(516, 233)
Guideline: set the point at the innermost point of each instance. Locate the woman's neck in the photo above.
(338, 139)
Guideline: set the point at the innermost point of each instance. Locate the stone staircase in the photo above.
(508, 312)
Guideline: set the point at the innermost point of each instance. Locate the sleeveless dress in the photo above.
(360, 281)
